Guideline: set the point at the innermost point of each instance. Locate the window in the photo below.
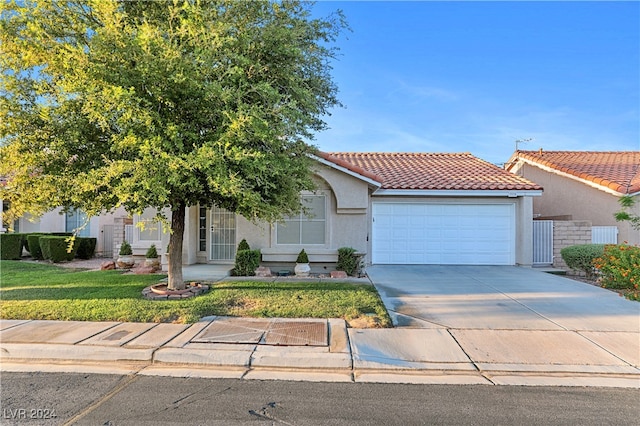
(74, 220)
(152, 230)
(305, 228)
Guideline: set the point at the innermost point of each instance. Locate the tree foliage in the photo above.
(162, 104)
(627, 202)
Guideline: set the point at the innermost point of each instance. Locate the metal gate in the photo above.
(604, 234)
(107, 241)
(542, 242)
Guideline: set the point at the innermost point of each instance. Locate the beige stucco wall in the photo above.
(523, 218)
(346, 225)
(564, 196)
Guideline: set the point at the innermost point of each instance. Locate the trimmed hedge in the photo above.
(86, 247)
(33, 245)
(11, 246)
(54, 248)
(247, 261)
(580, 257)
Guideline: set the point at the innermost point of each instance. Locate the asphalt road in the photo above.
(95, 399)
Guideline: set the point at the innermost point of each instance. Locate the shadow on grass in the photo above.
(74, 292)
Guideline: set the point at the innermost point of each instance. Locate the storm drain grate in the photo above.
(233, 331)
(265, 332)
(298, 333)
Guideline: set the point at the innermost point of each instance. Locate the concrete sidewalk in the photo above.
(323, 350)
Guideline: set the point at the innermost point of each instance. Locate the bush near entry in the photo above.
(247, 260)
(580, 257)
(348, 261)
(619, 266)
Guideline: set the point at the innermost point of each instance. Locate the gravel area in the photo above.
(91, 264)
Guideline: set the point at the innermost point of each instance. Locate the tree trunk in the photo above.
(176, 281)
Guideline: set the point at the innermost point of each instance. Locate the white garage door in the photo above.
(446, 234)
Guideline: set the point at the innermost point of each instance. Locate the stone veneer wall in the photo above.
(568, 233)
(118, 233)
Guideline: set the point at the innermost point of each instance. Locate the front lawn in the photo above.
(47, 292)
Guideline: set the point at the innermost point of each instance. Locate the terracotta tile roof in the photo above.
(428, 171)
(617, 170)
(349, 166)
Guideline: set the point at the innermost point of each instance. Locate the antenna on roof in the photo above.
(519, 141)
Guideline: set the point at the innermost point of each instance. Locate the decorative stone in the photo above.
(263, 271)
(143, 270)
(108, 265)
(338, 274)
(153, 263)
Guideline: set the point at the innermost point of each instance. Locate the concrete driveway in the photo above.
(511, 324)
(498, 298)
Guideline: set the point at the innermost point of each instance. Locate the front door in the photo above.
(223, 235)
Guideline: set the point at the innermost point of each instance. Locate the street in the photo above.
(99, 399)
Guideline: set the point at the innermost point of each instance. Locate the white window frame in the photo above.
(152, 232)
(301, 219)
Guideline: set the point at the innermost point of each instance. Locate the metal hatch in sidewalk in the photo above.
(276, 332)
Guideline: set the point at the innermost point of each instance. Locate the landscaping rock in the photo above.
(338, 274)
(142, 270)
(107, 266)
(263, 271)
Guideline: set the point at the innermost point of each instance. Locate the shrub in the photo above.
(302, 257)
(348, 261)
(11, 246)
(33, 245)
(619, 266)
(86, 247)
(25, 240)
(125, 249)
(580, 257)
(244, 245)
(56, 248)
(246, 262)
(151, 253)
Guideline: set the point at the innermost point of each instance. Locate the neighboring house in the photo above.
(394, 208)
(58, 221)
(582, 185)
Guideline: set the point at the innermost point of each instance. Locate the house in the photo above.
(394, 208)
(101, 227)
(582, 185)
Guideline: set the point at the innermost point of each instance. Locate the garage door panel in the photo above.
(422, 233)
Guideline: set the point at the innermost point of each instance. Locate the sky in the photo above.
(476, 77)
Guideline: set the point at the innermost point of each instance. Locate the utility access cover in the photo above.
(276, 332)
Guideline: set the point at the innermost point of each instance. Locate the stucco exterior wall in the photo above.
(567, 197)
(346, 223)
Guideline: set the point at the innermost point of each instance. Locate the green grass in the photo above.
(39, 291)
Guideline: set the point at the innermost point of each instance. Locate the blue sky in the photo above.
(477, 76)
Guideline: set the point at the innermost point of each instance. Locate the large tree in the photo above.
(162, 104)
